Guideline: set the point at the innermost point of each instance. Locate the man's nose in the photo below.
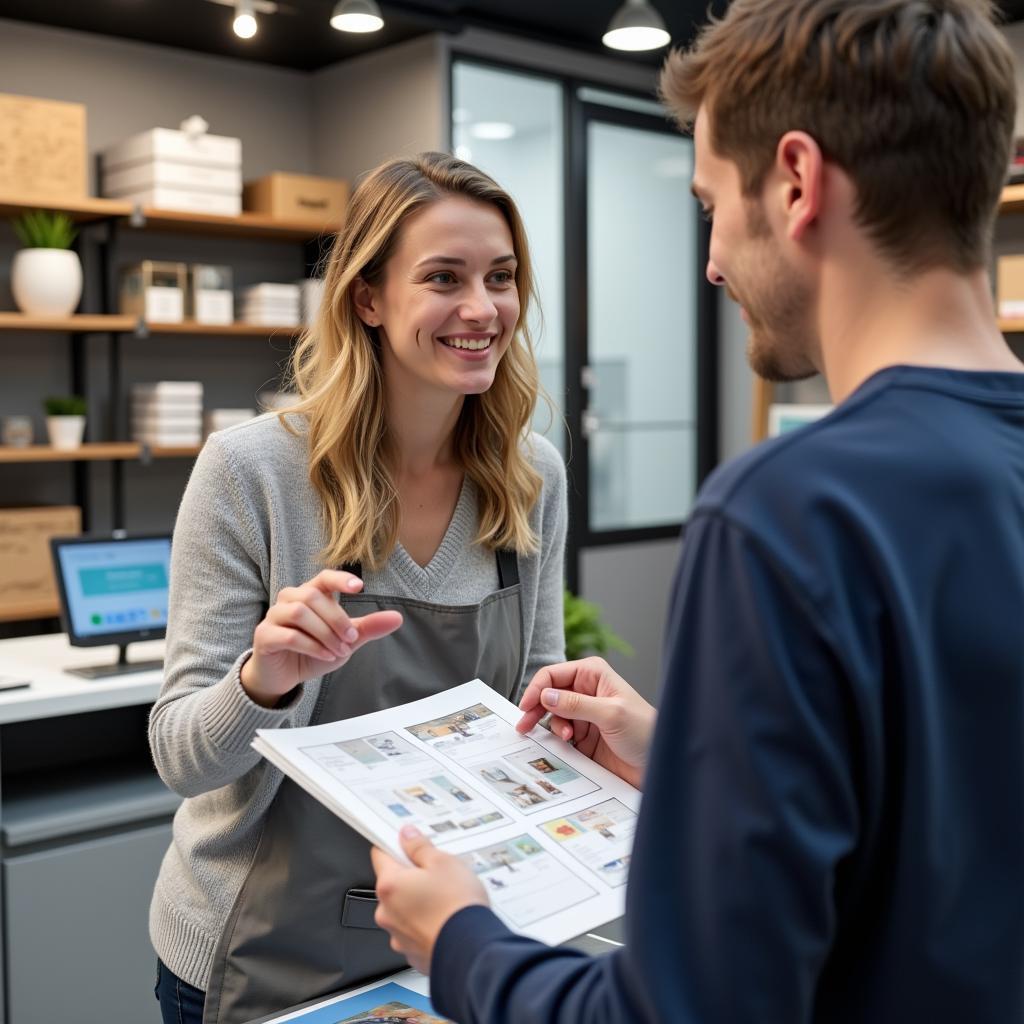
(714, 275)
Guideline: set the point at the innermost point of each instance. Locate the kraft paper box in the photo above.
(42, 148)
(27, 585)
(1010, 286)
(298, 197)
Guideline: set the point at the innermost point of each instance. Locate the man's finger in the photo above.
(573, 706)
(416, 846)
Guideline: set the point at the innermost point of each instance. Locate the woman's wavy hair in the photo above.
(336, 370)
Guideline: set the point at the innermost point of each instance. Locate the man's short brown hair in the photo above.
(914, 99)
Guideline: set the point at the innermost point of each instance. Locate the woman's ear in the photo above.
(365, 302)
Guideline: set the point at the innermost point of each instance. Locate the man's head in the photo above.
(818, 122)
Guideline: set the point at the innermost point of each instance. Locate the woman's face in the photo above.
(448, 304)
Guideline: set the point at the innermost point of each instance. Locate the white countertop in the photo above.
(42, 660)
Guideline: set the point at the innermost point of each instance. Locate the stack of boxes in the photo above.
(176, 170)
(221, 419)
(168, 413)
(311, 292)
(271, 305)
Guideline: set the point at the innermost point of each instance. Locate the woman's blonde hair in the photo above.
(337, 371)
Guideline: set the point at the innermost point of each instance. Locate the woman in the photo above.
(397, 532)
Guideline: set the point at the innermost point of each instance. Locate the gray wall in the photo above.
(381, 105)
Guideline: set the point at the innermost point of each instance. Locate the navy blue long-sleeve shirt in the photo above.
(832, 827)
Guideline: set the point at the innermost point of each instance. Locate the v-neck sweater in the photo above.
(249, 525)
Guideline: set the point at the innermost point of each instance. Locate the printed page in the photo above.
(548, 831)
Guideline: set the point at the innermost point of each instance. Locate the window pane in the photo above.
(510, 126)
(642, 300)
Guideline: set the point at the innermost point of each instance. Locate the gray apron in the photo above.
(302, 925)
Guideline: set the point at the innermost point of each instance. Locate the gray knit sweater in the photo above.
(248, 526)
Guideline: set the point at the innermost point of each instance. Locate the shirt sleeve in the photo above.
(203, 721)
(749, 811)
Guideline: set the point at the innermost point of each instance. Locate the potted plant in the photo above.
(65, 420)
(46, 276)
(585, 633)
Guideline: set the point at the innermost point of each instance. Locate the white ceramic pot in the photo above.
(65, 431)
(46, 282)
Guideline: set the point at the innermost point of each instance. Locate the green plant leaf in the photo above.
(64, 405)
(45, 229)
(585, 633)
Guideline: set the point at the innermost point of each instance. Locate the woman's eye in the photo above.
(442, 277)
(503, 277)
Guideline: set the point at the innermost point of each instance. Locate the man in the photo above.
(833, 818)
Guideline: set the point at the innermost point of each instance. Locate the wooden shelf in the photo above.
(237, 330)
(81, 210)
(180, 452)
(90, 452)
(245, 225)
(82, 322)
(1012, 199)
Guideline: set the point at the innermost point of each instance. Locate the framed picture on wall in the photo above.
(784, 417)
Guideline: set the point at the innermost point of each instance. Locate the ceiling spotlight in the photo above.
(636, 26)
(357, 16)
(245, 19)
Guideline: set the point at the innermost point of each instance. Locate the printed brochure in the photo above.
(548, 831)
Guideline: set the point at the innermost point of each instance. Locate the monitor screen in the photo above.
(114, 587)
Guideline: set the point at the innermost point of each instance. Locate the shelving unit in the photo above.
(110, 218)
(1012, 201)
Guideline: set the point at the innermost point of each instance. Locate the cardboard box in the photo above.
(28, 589)
(298, 197)
(42, 148)
(1010, 286)
(172, 144)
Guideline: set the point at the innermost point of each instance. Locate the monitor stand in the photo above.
(121, 667)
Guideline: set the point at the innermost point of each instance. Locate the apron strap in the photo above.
(508, 568)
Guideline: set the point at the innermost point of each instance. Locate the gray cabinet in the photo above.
(77, 942)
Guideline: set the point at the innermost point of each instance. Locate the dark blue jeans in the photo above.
(180, 1003)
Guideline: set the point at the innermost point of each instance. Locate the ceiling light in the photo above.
(636, 26)
(245, 20)
(357, 16)
(492, 131)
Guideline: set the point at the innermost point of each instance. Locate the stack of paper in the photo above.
(269, 304)
(167, 413)
(221, 419)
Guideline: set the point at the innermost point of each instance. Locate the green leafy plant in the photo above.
(43, 229)
(585, 633)
(64, 405)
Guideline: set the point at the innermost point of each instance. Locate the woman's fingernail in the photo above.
(351, 634)
(409, 832)
(354, 583)
(344, 650)
(549, 697)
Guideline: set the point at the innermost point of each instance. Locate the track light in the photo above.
(357, 16)
(636, 26)
(245, 19)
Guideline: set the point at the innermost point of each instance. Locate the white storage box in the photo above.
(210, 298)
(155, 291)
(168, 439)
(171, 390)
(272, 290)
(172, 144)
(221, 419)
(165, 174)
(186, 201)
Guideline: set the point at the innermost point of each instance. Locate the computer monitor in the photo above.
(113, 590)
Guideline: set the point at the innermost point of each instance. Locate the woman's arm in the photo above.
(202, 723)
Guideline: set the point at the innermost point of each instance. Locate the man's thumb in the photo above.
(415, 845)
(575, 706)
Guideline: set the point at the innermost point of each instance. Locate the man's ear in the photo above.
(364, 299)
(799, 166)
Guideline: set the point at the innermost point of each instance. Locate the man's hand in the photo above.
(415, 902)
(594, 706)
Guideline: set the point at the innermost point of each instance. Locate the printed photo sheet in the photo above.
(548, 831)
